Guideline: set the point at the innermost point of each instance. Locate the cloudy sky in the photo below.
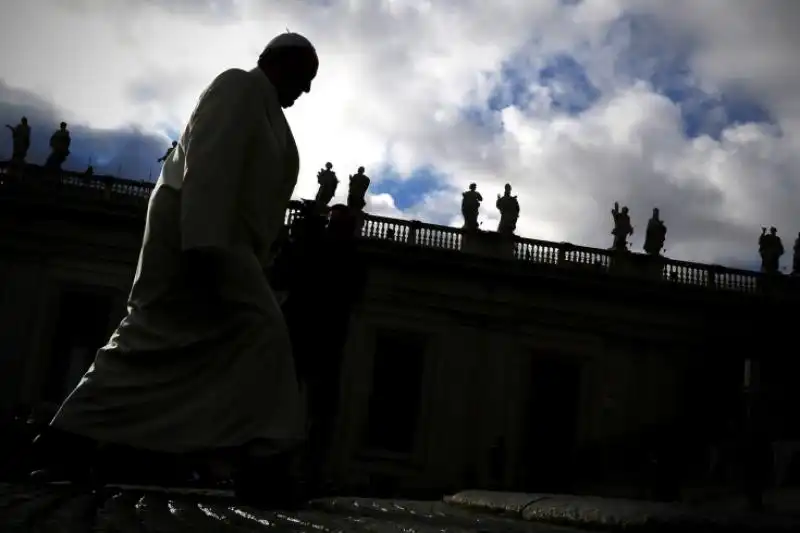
(692, 106)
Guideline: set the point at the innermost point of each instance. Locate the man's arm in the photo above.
(214, 148)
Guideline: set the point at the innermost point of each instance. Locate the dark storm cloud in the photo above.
(126, 152)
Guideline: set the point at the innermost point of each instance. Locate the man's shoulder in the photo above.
(235, 77)
(233, 80)
(233, 74)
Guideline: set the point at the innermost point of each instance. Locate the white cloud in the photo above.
(396, 76)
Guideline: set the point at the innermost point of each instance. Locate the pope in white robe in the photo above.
(202, 360)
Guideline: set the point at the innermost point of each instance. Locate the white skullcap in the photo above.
(289, 40)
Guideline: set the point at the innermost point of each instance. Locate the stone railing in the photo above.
(563, 255)
(36, 180)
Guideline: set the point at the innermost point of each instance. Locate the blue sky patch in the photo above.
(563, 77)
(646, 51)
(571, 89)
(407, 190)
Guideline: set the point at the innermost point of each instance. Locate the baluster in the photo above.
(402, 233)
(561, 254)
(413, 231)
(672, 275)
(437, 238)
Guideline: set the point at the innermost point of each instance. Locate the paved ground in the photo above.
(66, 510)
(782, 513)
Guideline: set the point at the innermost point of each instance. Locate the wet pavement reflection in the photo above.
(67, 510)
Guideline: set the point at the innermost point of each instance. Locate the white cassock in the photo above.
(173, 377)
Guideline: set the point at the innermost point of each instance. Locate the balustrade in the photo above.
(37, 180)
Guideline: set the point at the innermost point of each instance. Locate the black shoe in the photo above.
(62, 457)
(124, 465)
(270, 483)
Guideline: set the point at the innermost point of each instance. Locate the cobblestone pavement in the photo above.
(68, 510)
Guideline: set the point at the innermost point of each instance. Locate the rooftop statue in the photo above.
(59, 145)
(21, 138)
(656, 234)
(770, 248)
(622, 228)
(470, 205)
(356, 195)
(509, 212)
(796, 257)
(327, 186)
(168, 152)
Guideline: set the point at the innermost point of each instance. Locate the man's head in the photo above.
(472, 186)
(63, 125)
(24, 120)
(291, 63)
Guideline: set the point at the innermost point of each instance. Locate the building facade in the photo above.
(469, 360)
